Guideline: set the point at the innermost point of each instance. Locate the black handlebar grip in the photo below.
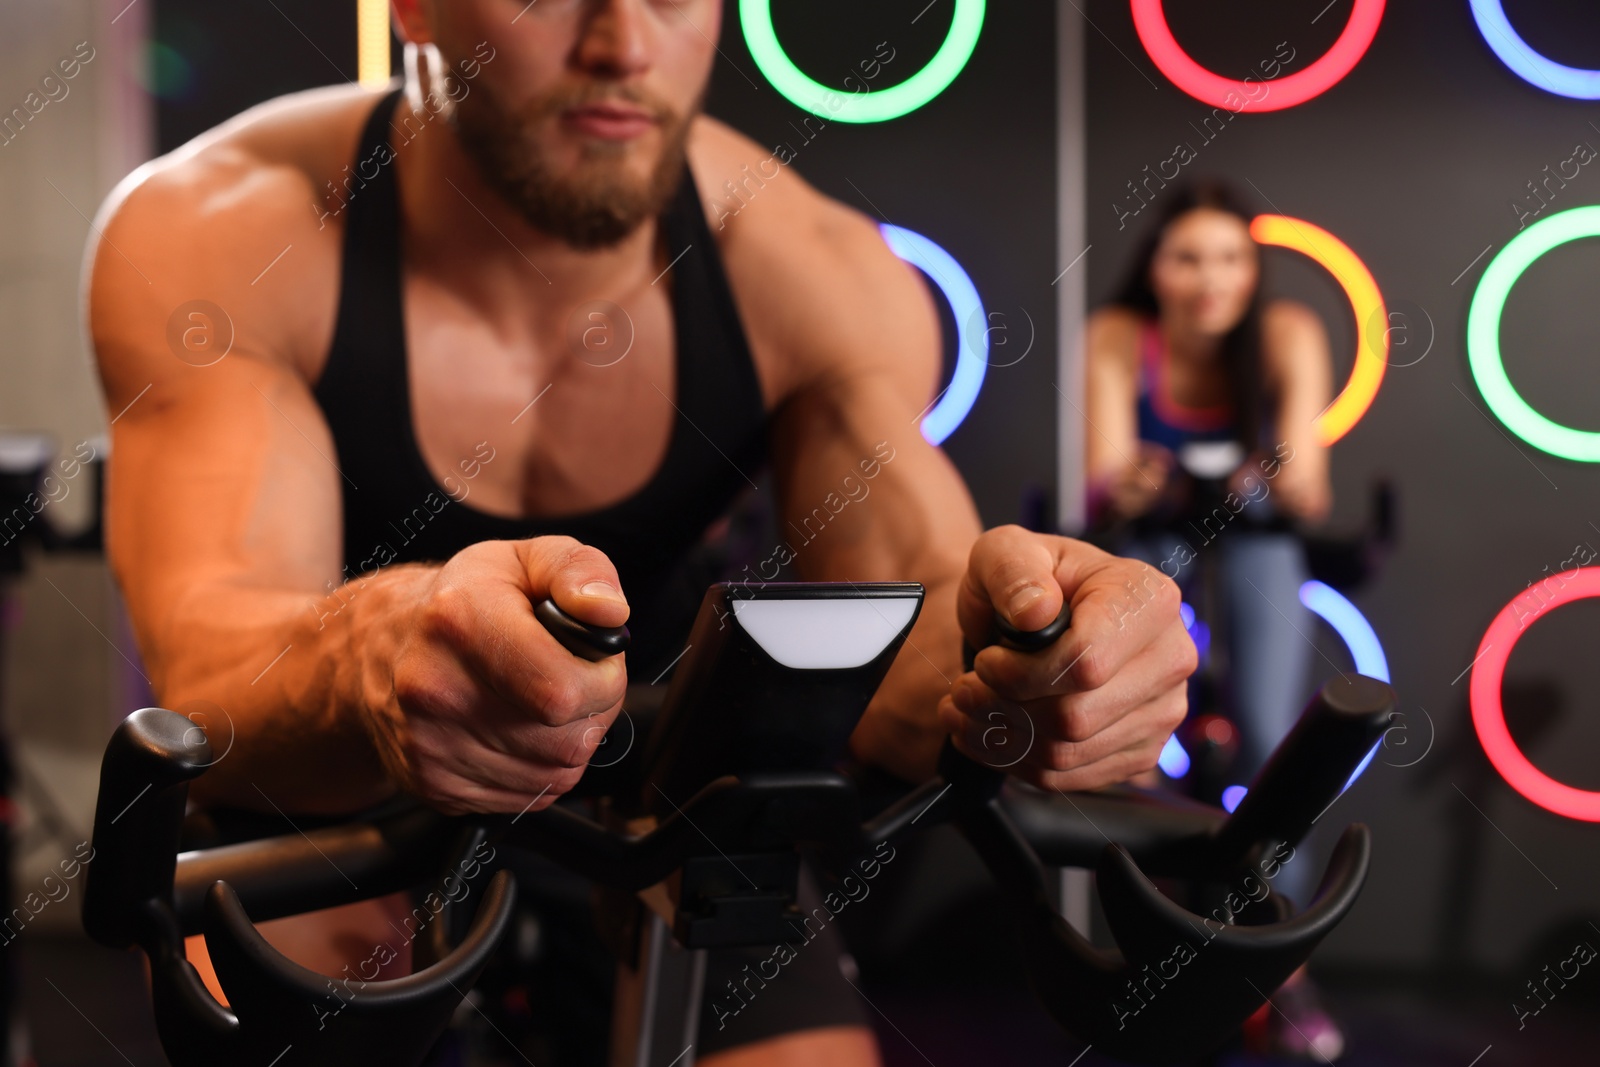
(593, 643)
(954, 765)
(144, 783)
(1033, 640)
(1021, 640)
(1308, 770)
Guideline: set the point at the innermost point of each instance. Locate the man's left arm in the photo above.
(864, 497)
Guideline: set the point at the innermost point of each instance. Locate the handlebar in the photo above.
(1204, 469)
(757, 810)
(1078, 983)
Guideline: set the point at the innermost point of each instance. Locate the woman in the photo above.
(1189, 353)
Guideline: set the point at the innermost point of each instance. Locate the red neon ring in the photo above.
(1489, 718)
(1170, 58)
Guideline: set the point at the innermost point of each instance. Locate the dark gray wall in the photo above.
(974, 171)
(207, 62)
(1413, 161)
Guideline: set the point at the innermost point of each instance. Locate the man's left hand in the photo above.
(1095, 707)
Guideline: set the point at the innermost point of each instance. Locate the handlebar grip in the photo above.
(956, 766)
(1309, 769)
(1021, 640)
(593, 643)
(1033, 640)
(144, 783)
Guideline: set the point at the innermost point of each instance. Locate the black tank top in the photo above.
(396, 511)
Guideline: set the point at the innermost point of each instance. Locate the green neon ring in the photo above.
(1483, 335)
(880, 106)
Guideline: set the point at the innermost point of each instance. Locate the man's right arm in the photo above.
(223, 532)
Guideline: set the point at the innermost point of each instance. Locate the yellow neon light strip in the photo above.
(1372, 318)
(372, 42)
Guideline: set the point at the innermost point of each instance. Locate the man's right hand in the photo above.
(487, 711)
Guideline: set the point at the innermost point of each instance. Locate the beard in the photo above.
(595, 204)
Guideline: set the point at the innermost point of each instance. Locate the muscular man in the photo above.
(361, 424)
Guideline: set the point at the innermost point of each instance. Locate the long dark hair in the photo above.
(1241, 348)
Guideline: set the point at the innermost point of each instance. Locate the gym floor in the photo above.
(86, 1007)
(1387, 1025)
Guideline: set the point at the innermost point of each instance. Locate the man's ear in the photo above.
(411, 22)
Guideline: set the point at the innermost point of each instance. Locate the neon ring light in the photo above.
(972, 347)
(1291, 89)
(1372, 337)
(1483, 335)
(879, 105)
(1331, 606)
(1489, 718)
(1527, 64)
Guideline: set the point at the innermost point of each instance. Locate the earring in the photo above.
(413, 78)
(415, 94)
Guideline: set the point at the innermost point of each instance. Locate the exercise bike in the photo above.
(1200, 505)
(697, 829)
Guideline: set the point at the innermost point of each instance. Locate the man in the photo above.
(362, 421)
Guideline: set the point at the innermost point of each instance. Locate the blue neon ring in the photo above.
(972, 349)
(1174, 758)
(1525, 63)
(1331, 606)
(1359, 637)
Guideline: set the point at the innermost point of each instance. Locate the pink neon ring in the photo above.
(1489, 718)
(1170, 58)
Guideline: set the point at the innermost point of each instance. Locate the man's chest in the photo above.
(576, 401)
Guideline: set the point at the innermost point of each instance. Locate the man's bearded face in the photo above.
(589, 191)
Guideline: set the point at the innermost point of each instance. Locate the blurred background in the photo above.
(1031, 170)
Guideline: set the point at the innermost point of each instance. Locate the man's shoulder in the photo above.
(206, 220)
(273, 157)
(290, 143)
(814, 277)
(755, 196)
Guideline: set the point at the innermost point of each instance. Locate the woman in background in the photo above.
(1189, 353)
